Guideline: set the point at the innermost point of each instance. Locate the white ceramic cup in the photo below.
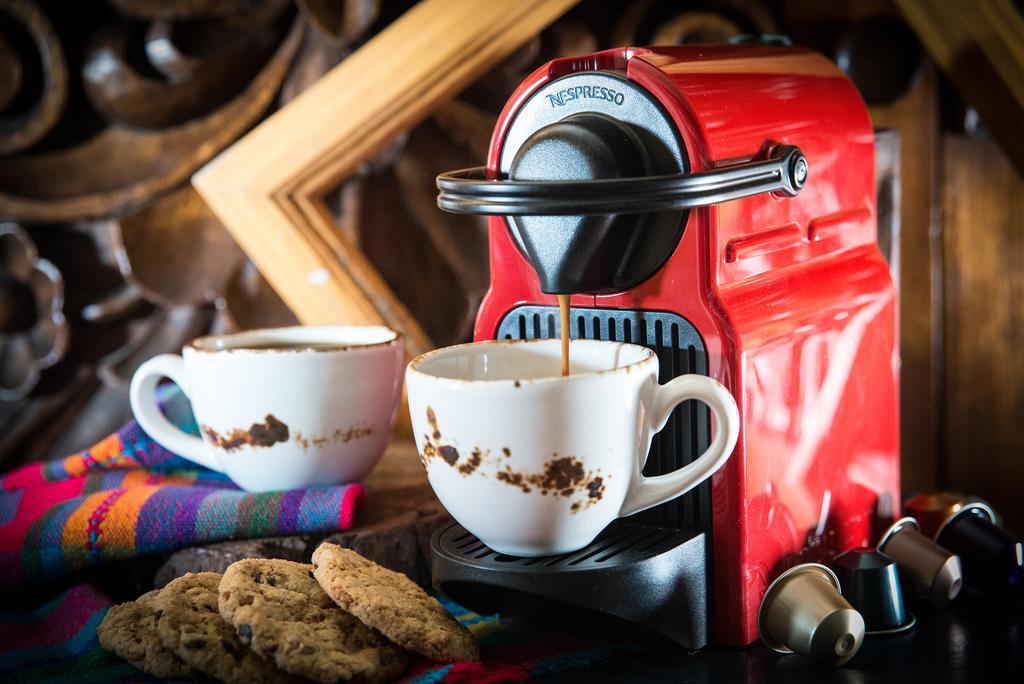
(537, 464)
(281, 408)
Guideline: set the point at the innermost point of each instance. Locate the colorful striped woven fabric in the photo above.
(57, 642)
(127, 496)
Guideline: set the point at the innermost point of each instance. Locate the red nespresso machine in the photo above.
(716, 204)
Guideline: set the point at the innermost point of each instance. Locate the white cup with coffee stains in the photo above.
(537, 464)
(281, 408)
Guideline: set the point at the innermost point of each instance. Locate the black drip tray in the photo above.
(637, 576)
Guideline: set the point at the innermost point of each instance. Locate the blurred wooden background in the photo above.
(108, 257)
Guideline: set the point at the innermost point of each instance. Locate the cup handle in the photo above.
(142, 396)
(651, 491)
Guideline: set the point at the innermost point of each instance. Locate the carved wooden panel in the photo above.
(105, 109)
(138, 135)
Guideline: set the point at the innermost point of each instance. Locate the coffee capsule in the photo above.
(933, 509)
(871, 583)
(974, 500)
(993, 559)
(803, 611)
(929, 573)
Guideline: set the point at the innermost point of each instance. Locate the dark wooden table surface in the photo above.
(973, 640)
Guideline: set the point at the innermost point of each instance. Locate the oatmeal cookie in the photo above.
(129, 631)
(392, 603)
(189, 624)
(279, 610)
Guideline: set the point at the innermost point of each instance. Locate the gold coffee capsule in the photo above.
(928, 572)
(803, 611)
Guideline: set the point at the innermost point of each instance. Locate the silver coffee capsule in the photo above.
(803, 611)
(928, 572)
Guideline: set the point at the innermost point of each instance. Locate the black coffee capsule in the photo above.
(992, 558)
(871, 583)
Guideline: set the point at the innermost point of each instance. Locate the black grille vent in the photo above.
(680, 350)
(621, 543)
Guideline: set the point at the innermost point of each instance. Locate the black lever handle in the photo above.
(468, 191)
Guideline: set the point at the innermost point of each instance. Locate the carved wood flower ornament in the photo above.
(33, 329)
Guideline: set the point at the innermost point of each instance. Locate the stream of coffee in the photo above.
(563, 309)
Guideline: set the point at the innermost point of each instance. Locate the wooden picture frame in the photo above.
(269, 187)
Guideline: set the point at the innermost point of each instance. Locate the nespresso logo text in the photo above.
(582, 92)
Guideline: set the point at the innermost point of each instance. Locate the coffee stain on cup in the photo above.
(432, 421)
(562, 476)
(356, 432)
(265, 434)
(449, 454)
(339, 435)
(515, 479)
(595, 492)
(472, 463)
(432, 446)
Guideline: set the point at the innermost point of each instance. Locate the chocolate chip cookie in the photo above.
(280, 611)
(392, 603)
(129, 631)
(189, 624)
